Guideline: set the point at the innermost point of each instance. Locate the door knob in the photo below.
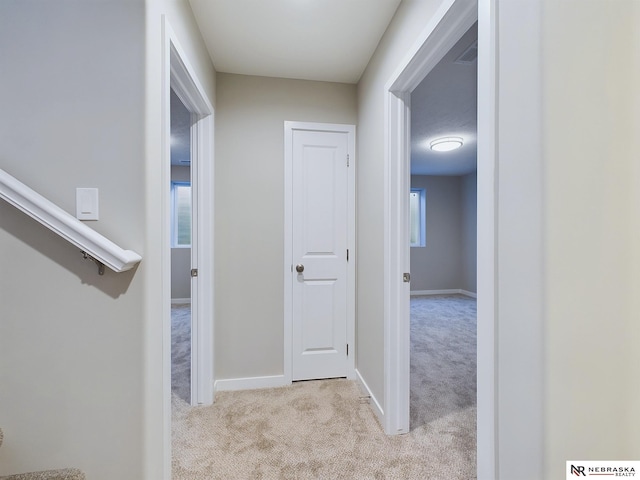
(299, 268)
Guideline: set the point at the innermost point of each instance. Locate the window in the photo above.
(417, 204)
(180, 214)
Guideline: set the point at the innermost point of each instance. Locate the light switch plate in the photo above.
(87, 203)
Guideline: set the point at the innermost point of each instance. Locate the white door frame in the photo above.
(446, 27)
(289, 127)
(179, 75)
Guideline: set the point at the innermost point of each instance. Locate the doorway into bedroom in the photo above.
(443, 213)
(181, 226)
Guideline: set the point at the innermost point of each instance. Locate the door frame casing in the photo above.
(445, 28)
(350, 130)
(180, 75)
(450, 22)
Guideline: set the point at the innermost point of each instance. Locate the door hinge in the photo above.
(194, 272)
(406, 277)
(347, 160)
(347, 349)
(347, 254)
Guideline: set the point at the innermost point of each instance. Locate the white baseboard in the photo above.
(181, 300)
(250, 383)
(375, 405)
(451, 291)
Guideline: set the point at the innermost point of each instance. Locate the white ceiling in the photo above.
(445, 105)
(333, 40)
(327, 40)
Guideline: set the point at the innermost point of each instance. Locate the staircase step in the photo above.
(62, 474)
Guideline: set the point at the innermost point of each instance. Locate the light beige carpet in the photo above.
(325, 430)
(313, 430)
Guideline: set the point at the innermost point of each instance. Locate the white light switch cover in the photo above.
(87, 203)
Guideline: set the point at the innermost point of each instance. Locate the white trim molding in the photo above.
(450, 22)
(181, 77)
(375, 404)
(452, 291)
(92, 244)
(250, 383)
(181, 301)
(487, 201)
(177, 73)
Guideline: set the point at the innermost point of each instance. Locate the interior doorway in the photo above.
(443, 231)
(197, 228)
(441, 33)
(181, 215)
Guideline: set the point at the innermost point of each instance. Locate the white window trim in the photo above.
(174, 213)
(422, 214)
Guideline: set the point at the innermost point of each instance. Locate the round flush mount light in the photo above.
(446, 144)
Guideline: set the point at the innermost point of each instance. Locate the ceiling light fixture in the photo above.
(446, 144)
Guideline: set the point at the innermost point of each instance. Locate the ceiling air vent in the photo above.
(469, 56)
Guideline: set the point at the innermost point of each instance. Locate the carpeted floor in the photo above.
(181, 351)
(325, 430)
(443, 357)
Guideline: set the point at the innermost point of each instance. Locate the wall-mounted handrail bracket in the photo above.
(93, 245)
(97, 262)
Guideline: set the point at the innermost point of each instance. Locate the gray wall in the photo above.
(250, 211)
(438, 265)
(448, 260)
(180, 257)
(71, 370)
(469, 191)
(180, 273)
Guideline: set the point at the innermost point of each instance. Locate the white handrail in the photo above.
(92, 244)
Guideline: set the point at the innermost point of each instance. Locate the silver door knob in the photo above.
(299, 268)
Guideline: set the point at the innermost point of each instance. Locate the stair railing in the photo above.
(93, 246)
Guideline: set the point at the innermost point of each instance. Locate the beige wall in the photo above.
(80, 354)
(250, 211)
(592, 217)
(634, 227)
(89, 348)
(408, 22)
(71, 357)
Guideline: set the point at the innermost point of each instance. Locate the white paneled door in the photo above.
(320, 242)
